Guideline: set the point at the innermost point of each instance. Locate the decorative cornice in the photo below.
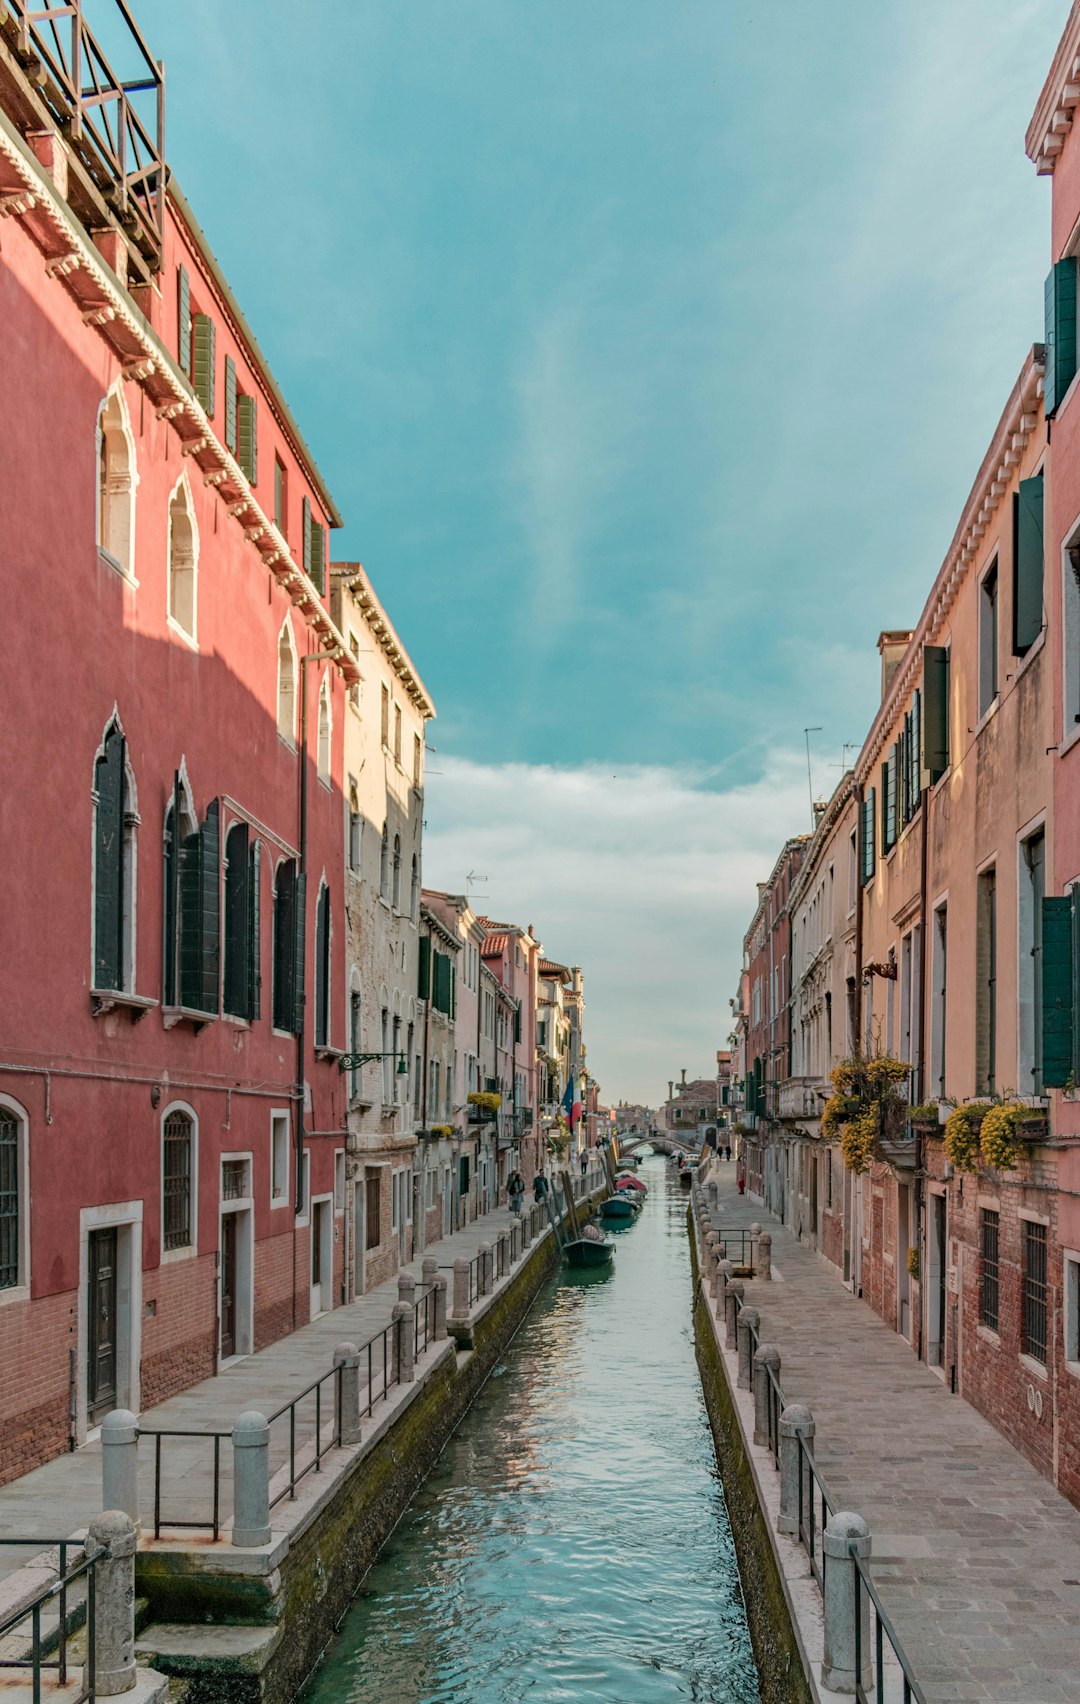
(352, 576)
(833, 811)
(1053, 115)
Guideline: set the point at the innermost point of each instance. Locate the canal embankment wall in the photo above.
(244, 1626)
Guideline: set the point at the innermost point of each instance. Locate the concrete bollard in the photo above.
(766, 1360)
(347, 1357)
(406, 1288)
(251, 1480)
(111, 1538)
(461, 1288)
(484, 1284)
(734, 1291)
(120, 1462)
(749, 1320)
(404, 1342)
(440, 1308)
(724, 1274)
(763, 1263)
(796, 1421)
(838, 1665)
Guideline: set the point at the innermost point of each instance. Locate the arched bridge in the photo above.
(664, 1142)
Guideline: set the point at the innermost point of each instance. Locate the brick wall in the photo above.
(274, 1286)
(35, 1339)
(179, 1327)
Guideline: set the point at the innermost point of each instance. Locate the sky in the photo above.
(649, 348)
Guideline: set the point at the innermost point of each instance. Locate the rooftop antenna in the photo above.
(470, 882)
(809, 777)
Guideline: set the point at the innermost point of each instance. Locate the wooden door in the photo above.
(101, 1360)
(228, 1286)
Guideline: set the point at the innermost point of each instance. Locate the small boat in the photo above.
(633, 1185)
(590, 1249)
(622, 1206)
(686, 1177)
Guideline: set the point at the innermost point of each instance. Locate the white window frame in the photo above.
(123, 497)
(190, 1249)
(20, 1292)
(287, 736)
(182, 491)
(280, 1126)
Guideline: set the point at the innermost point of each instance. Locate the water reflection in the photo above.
(572, 1543)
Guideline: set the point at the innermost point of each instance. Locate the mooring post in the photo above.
(504, 1253)
(120, 1462)
(755, 1232)
(405, 1335)
(347, 1358)
(406, 1288)
(766, 1361)
(251, 1480)
(796, 1422)
(111, 1541)
(734, 1291)
(747, 1326)
(526, 1230)
(709, 1260)
(846, 1535)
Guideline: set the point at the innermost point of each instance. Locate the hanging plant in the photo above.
(924, 1114)
(486, 1100)
(961, 1139)
(442, 1129)
(999, 1136)
(858, 1137)
(913, 1266)
(866, 1106)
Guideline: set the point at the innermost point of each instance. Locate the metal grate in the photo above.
(176, 1184)
(1035, 1290)
(234, 1180)
(988, 1270)
(9, 1201)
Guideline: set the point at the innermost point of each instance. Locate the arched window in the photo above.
(288, 947)
(192, 910)
(397, 872)
(117, 479)
(242, 910)
(414, 889)
(384, 864)
(324, 732)
(286, 684)
(183, 559)
(14, 1196)
(177, 1179)
(115, 822)
(322, 968)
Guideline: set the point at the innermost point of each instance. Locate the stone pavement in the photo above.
(63, 1496)
(975, 1555)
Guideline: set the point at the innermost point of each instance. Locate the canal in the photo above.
(572, 1542)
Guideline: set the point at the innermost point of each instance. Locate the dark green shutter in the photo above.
(203, 363)
(423, 983)
(916, 747)
(237, 921)
(254, 918)
(322, 968)
(200, 914)
(453, 989)
(888, 819)
(183, 301)
(1059, 1019)
(1060, 304)
(109, 863)
(935, 733)
(442, 983)
(905, 769)
(517, 1024)
(247, 452)
(305, 510)
(318, 556)
(868, 820)
(230, 404)
(299, 948)
(1027, 564)
(284, 938)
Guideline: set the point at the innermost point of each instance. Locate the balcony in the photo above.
(799, 1097)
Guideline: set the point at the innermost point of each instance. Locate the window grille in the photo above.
(9, 1201)
(177, 1180)
(1035, 1290)
(372, 1226)
(234, 1180)
(988, 1269)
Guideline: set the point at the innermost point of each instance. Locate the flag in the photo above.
(571, 1105)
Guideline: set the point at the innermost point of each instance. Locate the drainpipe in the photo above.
(920, 1073)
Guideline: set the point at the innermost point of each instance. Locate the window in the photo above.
(1034, 1278)
(289, 895)
(247, 443)
(1060, 993)
(322, 968)
(398, 1082)
(986, 983)
(384, 727)
(1032, 891)
(867, 815)
(325, 726)
(372, 1210)
(417, 760)
(183, 319)
(397, 735)
(281, 497)
(286, 684)
(355, 1035)
(386, 1061)
(241, 982)
(910, 1021)
(314, 548)
(988, 1267)
(115, 821)
(384, 864)
(1060, 303)
(13, 1197)
(354, 829)
(354, 690)
(192, 904)
(1072, 1309)
(414, 888)
(1027, 564)
(279, 1158)
(988, 639)
(396, 896)
(183, 560)
(117, 480)
(203, 360)
(230, 404)
(935, 733)
(339, 1181)
(938, 1002)
(177, 1179)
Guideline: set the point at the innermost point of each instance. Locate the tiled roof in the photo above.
(494, 946)
(548, 968)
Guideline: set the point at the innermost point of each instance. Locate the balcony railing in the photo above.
(798, 1098)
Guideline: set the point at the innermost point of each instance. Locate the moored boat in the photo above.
(592, 1248)
(623, 1206)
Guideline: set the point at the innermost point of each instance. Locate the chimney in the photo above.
(670, 1090)
(682, 1085)
(819, 810)
(892, 644)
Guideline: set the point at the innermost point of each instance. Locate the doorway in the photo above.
(936, 1284)
(322, 1255)
(903, 1279)
(101, 1395)
(419, 1227)
(228, 1286)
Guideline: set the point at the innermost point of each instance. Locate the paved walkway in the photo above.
(62, 1497)
(976, 1556)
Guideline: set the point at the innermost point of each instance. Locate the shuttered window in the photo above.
(915, 747)
(247, 448)
(1027, 564)
(1061, 990)
(322, 969)
(192, 910)
(176, 1181)
(10, 1229)
(423, 984)
(230, 404)
(441, 998)
(242, 875)
(314, 548)
(868, 817)
(1060, 305)
(888, 801)
(935, 734)
(183, 319)
(203, 360)
(289, 920)
(109, 786)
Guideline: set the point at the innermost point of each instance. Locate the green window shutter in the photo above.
(284, 935)
(517, 1024)
(453, 989)
(200, 914)
(1058, 992)
(888, 818)
(1027, 564)
(868, 819)
(322, 968)
(904, 781)
(1060, 304)
(916, 747)
(109, 862)
(247, 448)
(305, 508)
(202, 360)
(442, 983)
(318, 556)
(254, 921)
(183, 305)
(423, 983)
(299, 948)
(230, 404)
(237, 920)
(935, 730)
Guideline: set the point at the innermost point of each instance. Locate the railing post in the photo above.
(440, 1307)
(120, 1462)
(461, 1288)
(405, 1335)
(755, 1232)
(347, 1358)
(709, 1259)
(526, 1230)
(251, 1480)
(844, 1534)
(406, 1288)
(111, 1539)
(724, 1273)
(484, 1274)
(767, 1357)
(503, 1246)
(763, 1256)
(796, 1421)
(734, 1291)
(748, 1322)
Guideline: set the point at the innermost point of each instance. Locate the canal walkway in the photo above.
(59, 1499)
(975, 1555)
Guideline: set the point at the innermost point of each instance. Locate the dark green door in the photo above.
(101, 1395)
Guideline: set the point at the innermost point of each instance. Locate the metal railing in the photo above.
(815, 1507)
(424, 1320)
(738, 1237)
(290, 1410)
(159, 1434)
(42, 1640)
(892, 1678)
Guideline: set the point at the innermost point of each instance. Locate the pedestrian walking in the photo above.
(584, 1162)
(540, 1187)
(515, 1189)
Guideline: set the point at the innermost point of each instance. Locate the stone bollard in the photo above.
(120, 1462)
(766, 1360)
(796, 1421)
(251, 1480)
(708, 1261)
(111, 1538)
(838, 1665)
(404, 1342)
(347, 1357)
(406, 1288)
(763, 1263)
(526, 1230)
(749, 1320)
(724, 1273)
(755, 1232)
(734, 1291)
(503, 1247)
(429, 1271)
(461, 1288)
(440, 1308)
(484, 1278)
(714, 1194)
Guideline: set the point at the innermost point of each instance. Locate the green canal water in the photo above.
(572, 1542)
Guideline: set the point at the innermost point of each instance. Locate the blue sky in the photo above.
(649, 348)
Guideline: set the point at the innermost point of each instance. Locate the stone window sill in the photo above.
(173, 1015)
(104, 1000)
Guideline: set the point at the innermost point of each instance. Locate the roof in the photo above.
(549, 968)
(1058, 99)
(353, 575)
(494, 945)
